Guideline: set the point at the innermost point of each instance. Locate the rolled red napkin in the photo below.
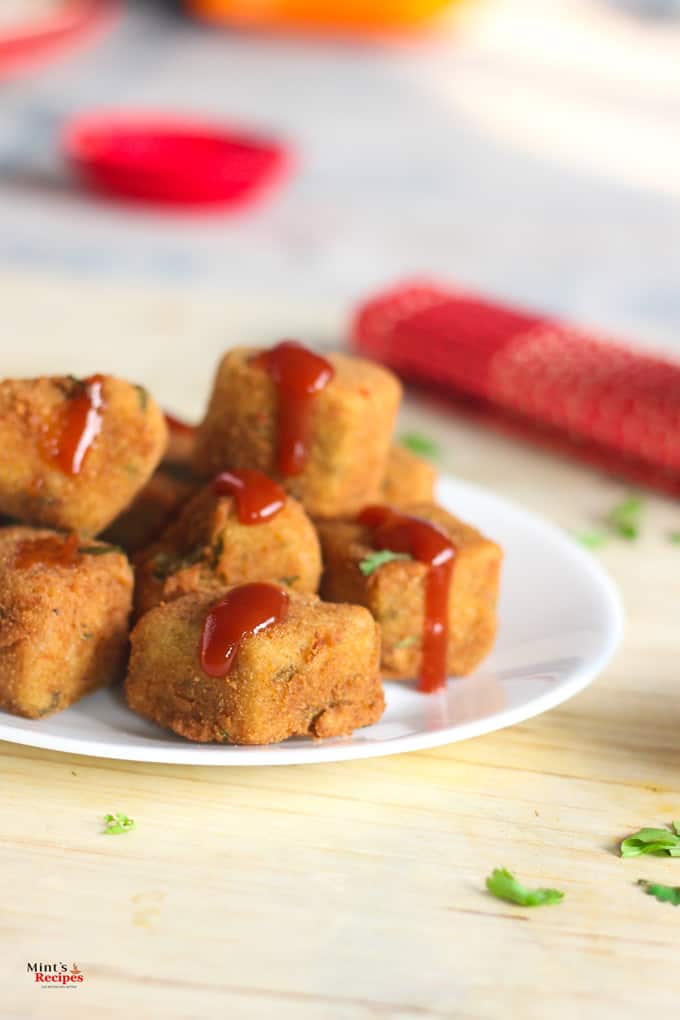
(621, 407)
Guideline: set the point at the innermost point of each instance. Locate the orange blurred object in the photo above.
(315, 14)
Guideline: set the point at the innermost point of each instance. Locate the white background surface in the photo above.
(530, 150)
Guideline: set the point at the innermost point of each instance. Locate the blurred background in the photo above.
(526, 149)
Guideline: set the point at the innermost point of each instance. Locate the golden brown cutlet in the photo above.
(123, 454)
(352, 423)
(316, 673)
(395, 591)
(208, 549)
(63, 625)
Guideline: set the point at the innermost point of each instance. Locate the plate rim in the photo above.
(325, 752)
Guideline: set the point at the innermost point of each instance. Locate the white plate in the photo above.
(561, 620)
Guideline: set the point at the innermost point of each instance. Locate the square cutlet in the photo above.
(395, 591)
(315, 673)
(351, 428)
(208, 549)
(63, 619)
(74, 453)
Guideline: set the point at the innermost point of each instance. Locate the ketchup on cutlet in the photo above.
(429, 544)
(68, 438)
(299, 376)
(49, 550)
(258, 498)
(244, 611)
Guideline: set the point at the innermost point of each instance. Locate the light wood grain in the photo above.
(353, 890)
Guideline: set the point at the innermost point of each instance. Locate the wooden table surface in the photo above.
(353, 890)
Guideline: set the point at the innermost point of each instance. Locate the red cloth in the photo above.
(618, 407)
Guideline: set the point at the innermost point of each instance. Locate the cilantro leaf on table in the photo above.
(505, 886)
(419, 444)
(114, 825)
(663, 893)
(624, 518)
(375, 560)
(591, 539)
(658, 842)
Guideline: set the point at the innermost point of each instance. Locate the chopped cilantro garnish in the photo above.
(419, 444)
(192, 557)
(674, 537)
(100, 550)
(624, 518)
(143, 394)
(658, 842)
(288, 581)
(161, 565)
(591, 539)
(70, 386)
(407, 642)
(375, 560)
(164, 564)
(505, 886)
(663, 893)
(114, 825)
(217, 551)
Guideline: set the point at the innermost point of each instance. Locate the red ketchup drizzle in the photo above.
(243, 611)
(49, 551)
(428, 544)
(299, 376)
(68, 439)
(257, 497)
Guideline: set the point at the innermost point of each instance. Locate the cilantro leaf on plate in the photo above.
(505, 886)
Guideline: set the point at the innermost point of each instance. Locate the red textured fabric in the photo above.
(620, 406)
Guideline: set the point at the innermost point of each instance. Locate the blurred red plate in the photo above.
(169, 160)
(26, 44)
